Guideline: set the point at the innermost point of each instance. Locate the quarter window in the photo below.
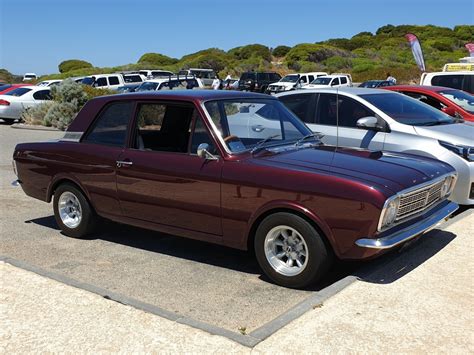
(451, 81)
(343, 80)
(110, 128)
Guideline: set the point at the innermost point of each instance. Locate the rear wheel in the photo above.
(290, 250)
(72, 211)
(9, 120)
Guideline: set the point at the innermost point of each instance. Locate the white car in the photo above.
(29, 76)
(293, 82)
(112, 81)
(461, 80)
(329, 81)
(155, 73)
(379, 119)
(49, 82)
(14, 102)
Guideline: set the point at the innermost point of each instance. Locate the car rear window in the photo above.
(18, 92)
(132, 78)
(451, 81)
(248, 76)
(5, 86)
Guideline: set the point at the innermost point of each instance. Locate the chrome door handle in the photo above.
(121, 163)
(258, 128)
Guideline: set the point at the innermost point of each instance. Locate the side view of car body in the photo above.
(14, 102)
(379, 119)
(329, 81)
(257, 81)
(461, 80)
(453, 102)
(179, 162)
(49, 82)
(293, 82)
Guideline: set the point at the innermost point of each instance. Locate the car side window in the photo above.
(335, 82)
(42, 95)
(201, 135)
(110, 127)
(451, 81)
(303, 79)
(299, 104)
(350, 111)
(343, 80)
(163, 127)
(326, 112)
(113, 80)
(101, 82)
(427, 99)
(311, 78)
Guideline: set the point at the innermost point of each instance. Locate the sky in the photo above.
(36, 35)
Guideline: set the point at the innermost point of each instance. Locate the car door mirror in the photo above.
(449, 111)
(368, 123)
(203, 152)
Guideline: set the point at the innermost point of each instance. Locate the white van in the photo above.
(462, 80)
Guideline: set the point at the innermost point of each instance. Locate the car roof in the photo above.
(349, 90)
(420, 88)
(191, 95)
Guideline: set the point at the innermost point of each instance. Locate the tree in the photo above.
(281, 51)
(157, 59)
(73, 64)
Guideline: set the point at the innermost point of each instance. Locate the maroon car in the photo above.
(237, 169)
(454, 102)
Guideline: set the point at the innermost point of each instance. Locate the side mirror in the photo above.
(368, 123)
(203, 152)
(449, 111)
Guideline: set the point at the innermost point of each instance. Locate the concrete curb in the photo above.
(34, 128)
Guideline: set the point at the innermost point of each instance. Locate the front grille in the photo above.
(419, 200)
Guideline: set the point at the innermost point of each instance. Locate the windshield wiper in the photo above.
(258, 146)
(312, 135)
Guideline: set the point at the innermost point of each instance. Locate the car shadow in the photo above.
(383, 270)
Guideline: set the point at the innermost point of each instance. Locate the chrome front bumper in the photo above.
(16, 183)
(409, 232)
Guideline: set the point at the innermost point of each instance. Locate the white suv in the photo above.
(293, 82)
(339, 80)
(112, 81)
(462, 80)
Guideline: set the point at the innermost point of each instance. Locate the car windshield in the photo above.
(407, 110)
(290, 79)
(88, 81)
(321, 81)
(460, 98)
(245, 123)
(370, 84)
(18, 92)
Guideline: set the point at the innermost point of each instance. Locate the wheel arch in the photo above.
(59, 180)
(299, 211)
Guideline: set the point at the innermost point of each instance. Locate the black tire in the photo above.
(88, 220)
(319, 258)
(9, 120)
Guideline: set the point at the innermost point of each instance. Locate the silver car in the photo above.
(384, 120)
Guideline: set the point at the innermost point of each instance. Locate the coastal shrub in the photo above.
(73, 64)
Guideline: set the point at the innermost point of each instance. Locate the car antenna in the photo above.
(337, 118)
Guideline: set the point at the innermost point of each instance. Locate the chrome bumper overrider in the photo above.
(410, 232)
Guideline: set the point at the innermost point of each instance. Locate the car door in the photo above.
(161, 179)
(302, 105)
(336, 108)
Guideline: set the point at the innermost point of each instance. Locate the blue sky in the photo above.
(35, 36)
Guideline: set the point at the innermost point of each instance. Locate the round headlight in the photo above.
(390, 212)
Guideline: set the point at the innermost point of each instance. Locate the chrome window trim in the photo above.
(411, 190)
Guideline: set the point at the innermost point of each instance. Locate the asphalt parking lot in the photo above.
(208, 284)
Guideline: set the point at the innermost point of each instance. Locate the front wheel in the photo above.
(290, 250)
(72, 212)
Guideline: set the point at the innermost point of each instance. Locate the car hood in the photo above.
(458, 133)
(313, 86)
(386, 170)
(279, 83)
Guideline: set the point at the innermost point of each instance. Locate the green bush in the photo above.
(60, 115)
(73, 64)
(156, 59)
(281, 51)
(35, 115)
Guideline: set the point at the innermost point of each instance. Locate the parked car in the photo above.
(178, 162)
(329, 81)
(455, 103)
(379, 119)
(112, 81)
(207, 76)
(29, 76)
(461, 80)
(175, 82)
(49, 82)
(14, 102)
(155, 73)
(4, 88)
(128, 88)
(376, 84)
(293, 82)
(257, 81)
